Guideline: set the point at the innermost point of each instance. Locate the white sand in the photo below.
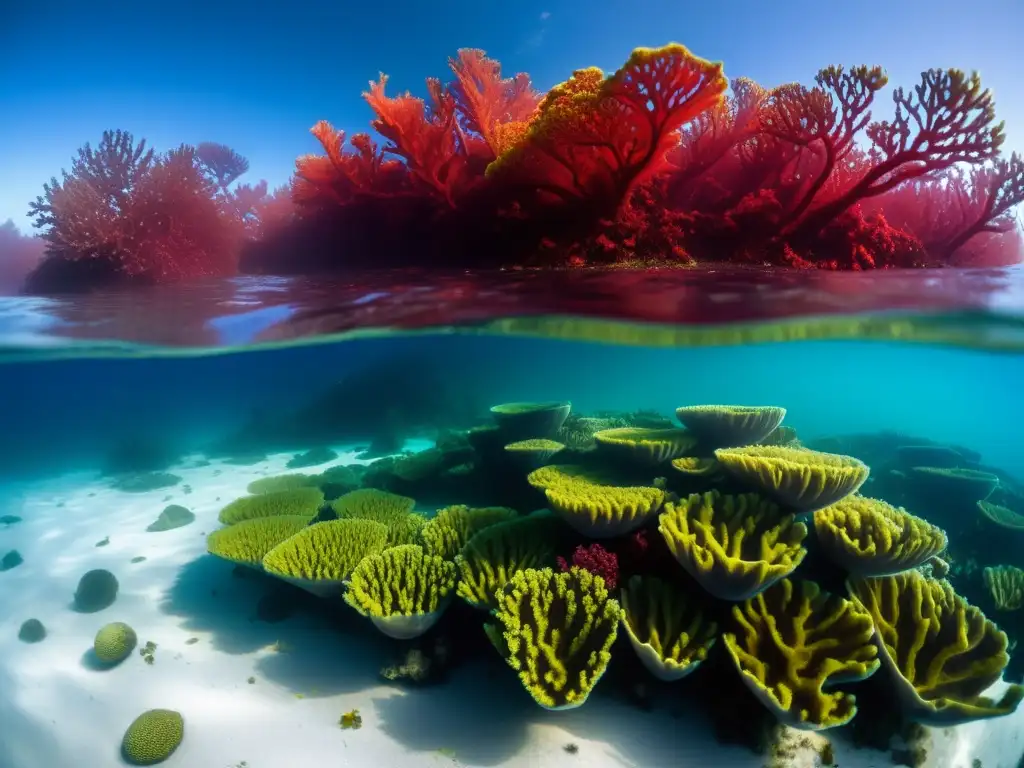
(56, 711)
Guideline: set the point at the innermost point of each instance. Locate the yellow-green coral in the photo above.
(734, 546)
(403, 590)
(692, 466)
(591, 503)
(1006, 585)
(114, 642)
(941, 652)
(669, 630)
(797, 478)
(530, 454)
(783, 436)
(556, 630)
(448, 531)
(1002, 516)
(869, 537)
(523, 421)
(152, 737)
(957, 487)
(645, 445)
(287, 482)
(406, 530)
(793, 641)
(249, 541)
(373, 504)
(491, 556)
(725, 426)
(297, 501)
(320, 557)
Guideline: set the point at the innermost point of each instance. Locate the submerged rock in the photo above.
(11, 560)
(32, 631)
(6, 520)
(97, 590)
(173, 516)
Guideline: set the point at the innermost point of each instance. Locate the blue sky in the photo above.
(256, 75)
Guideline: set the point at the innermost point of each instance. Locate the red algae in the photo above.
(663, 161)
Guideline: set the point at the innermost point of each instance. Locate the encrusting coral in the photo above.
(592, 504)
(669, 630)
(793, 641)
(940, 652)
(641, 445)
(799, 479)
(868, 537)
(1005, 583)
(296, 501)
(249, 541)
(320, 557)
(733, 546)
(403, 590)
(556, 630)
(447, 532)
(491, 556)
(727, 426)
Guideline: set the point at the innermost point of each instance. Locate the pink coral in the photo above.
(596, 559)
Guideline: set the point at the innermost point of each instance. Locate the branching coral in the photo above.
(447, 532)
(792, 642)
(373, 504)
(940, 651)
(248, 541)
(297, 501)
(491, 556)
(320, 557)
(668, 629)
(734, 546)
(597, 560)
(591, 503)
(556, 630)
(403, 590)
(868, 537)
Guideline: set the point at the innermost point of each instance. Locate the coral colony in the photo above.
(730, 498)
(663, 160)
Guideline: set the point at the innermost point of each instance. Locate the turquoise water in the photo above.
(115, 386)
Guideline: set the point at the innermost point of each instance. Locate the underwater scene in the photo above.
(659, 408)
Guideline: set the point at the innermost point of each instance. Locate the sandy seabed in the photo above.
(57, 709)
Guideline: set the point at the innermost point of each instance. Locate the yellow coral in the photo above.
(556, 630)
(320, 557)
(668, 629)
(725, 426)
(249, 541)
(448, 531)
(282, 483)
(797, 478)
(792, 642)
(941, 652)
(734, 546)
(373, 504)
(1006, 585)
(782, 436)
(645, 445)
(868, 537)
(405, 530)
(692, 466)
(297, 501)
(403, 590)
(589, 501)
(491, 556)
(530, 454)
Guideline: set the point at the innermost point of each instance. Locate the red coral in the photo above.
(596, 559)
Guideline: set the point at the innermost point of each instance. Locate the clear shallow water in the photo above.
(862, 363)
